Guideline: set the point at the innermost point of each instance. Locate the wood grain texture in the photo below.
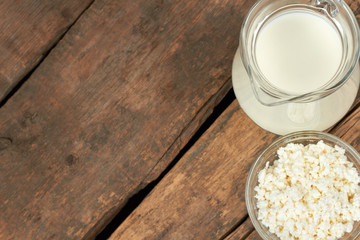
(355, 7)
(349, 129)
(28, 29)
(202, 197)
(107, 111)
(254, 236)
(243, 231)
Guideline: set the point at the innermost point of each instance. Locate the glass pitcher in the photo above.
(260, 74)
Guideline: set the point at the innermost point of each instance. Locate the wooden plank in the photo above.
(28, 29)
(242, 232)
(254, 236)
(202, 197)
(108, 109)
(349, 129)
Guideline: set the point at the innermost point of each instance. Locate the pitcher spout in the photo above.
(327, 6)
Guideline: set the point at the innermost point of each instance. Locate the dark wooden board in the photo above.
(241, 232)
(202, 197)
(108, 110)
(254, 236)
(28, 29)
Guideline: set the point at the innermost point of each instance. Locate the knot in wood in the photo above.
(71, 159)
(5, 143)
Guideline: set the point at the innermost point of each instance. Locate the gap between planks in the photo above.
(203, 112)
(236, 226)
(43, 57)
(137, 198)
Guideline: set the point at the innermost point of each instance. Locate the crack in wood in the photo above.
(211, 100)
(231, 230)
(136, 199)
(43, 57)
(5, 143)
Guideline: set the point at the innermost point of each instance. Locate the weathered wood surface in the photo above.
(108, 109)
(243, 231)
(202, 197)
(28, 29)
(254, 236)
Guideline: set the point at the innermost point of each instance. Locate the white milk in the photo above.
(297, 52)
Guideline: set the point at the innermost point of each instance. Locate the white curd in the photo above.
(310, 192)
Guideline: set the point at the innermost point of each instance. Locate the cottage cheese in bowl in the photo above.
(310, 192)
(305, 189)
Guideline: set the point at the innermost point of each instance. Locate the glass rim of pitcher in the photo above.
(341, 76)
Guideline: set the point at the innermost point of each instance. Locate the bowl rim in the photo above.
(300, 135)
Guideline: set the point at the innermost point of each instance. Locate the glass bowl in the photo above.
(270, 154)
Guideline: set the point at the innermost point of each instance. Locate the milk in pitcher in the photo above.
(296, 52)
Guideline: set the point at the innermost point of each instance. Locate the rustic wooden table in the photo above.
(118, 119)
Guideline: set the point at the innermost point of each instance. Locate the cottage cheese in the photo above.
(310, 192)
